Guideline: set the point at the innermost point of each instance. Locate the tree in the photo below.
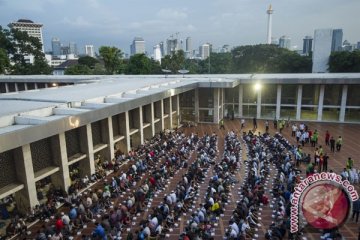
(112, 58)
(345, 61)
(141, 64)
(175, 62)
(88, 61)
(4, 61)
(18, 45)
(78, 69)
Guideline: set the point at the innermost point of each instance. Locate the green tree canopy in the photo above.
(141, 64)
(78, 69)
(112, 58)
(345, 61)
(175, 62)
(4, 61)
(88, 61)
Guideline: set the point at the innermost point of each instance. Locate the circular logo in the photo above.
(325, 205)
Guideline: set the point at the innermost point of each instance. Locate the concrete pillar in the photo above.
(87, 166)
(162, 114)
(170, 113)
(196, 105)
(46, 85)
(343, 103)
(141, 125)
(6, 87)
(241, 89)
(58, 146)
(278, 101)
(25, 86)
(127, 128)
(298, 103)
(16, 87)
(27, 197)
(178, 109)
(321, 102)
(152, 119)
(216, 105)
(108, 135)
(258, 104)
(35, 86)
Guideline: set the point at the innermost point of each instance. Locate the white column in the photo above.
(16, 87)
(343, 103)
(110, 137)
(298, 104)
(141, 125)
(178, 109)
(61, 178)
(216, 105)
(241, 89)
(152, 119)
(162, 114)
(127, 127)
(25, 86)
(87, 166)
(35, 86)
(27, 197)
(278, 101)
(46, 85)
(196, 105)
(170, 114)
(7, 87)
(258, 104)
(321, 102)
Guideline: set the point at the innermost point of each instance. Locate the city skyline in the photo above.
(223, 22)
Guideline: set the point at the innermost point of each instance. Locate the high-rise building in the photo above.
(307, 45)
(32, 29)
(188, 47)
(274, 41)
(172, 45)
(269, 12)
(137, 46)
(162, 48)
(325, 42)
(337, 36)
(285, 42)
(204, 51)
(73, 48)
(157, 53)
(358, 45)
(56, 46)
(89, 50)
(322, 50)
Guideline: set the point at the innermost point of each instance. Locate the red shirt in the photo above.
(59, 224)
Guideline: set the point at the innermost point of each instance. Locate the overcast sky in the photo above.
(233, 22)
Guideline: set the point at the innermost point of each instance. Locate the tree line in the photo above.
(263, 58)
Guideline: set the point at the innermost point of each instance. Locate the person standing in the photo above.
(327, 138)
(242, 123)
(275, 123)
(298, 135)
(356, 210)
(325, 162)
(339, 143)
(349, 163)
(293, 130)
(332, 144)
(267, 126)
(255, 123)
(222, 126)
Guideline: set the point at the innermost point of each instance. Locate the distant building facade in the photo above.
(188, 48)
(137, 46)
(157, 53)
(204, 51)
(32, 29)
(56, 46)
(89, 50)
(337, 40)
(307, 45)
(285, 42)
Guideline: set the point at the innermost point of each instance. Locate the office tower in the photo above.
(137, 46)
(269, 12)
(89, 50)
(307, 45)
(162, 48)
(172, 46)
(322, 50)
(157, 53)
(65, 50)
(285, 42)
(188, 48)
(204, 51)
(337, 36)
(274, 41)
(73, 48)
(56, 47)
(32, 29)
